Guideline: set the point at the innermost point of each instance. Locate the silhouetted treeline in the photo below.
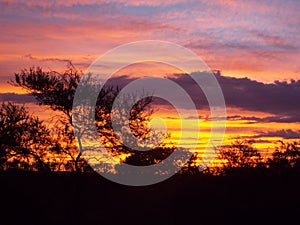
(27, 143)
(242, 157)
(56, 149)
(87, 198)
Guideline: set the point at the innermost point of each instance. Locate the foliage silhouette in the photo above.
(285, 158)
(56, 91)
(25, 141)
(239, 156)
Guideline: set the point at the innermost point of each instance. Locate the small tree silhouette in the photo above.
(56, 91)
(285, 157)
(25, 141)
(240, 155)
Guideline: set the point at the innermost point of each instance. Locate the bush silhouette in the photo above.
(25, 141)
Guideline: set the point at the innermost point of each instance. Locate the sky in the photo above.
(255, 45)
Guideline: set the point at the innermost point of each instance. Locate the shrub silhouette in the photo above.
(285, 158)
(239, 156)
(25, 141)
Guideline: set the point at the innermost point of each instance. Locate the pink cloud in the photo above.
(45, 4)
(239, 37)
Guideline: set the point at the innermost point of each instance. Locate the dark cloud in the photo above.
(286, 134)
(29, 56)
(263, 141)
(277, 98)
(281, 98)
(17, 98)
(277, 119)
(194, 117)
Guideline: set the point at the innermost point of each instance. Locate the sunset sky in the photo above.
(255, 45)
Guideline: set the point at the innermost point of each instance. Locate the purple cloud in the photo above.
(286, 134)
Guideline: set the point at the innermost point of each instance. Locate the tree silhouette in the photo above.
(57, 90)
(25, 141)
(285, 157)
(240, 155)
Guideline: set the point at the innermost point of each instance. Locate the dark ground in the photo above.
(35, 198)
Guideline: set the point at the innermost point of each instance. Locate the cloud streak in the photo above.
(17, 98)
(286, 134)
(29, 56)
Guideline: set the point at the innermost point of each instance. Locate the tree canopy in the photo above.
(56, 91)
(25, 141)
